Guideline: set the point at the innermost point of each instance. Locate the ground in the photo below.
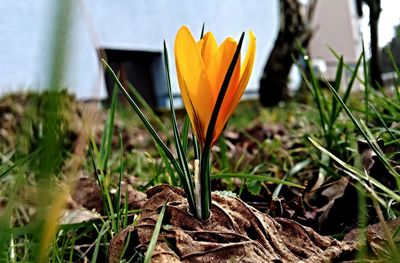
(268, 158)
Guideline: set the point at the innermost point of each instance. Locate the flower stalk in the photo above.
(197, 186)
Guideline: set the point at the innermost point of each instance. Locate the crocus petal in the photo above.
(234, 94)
(245, 72)
(201, 69)
(224, 59)
(219, 66)
(193, 81)
(200, 44)
(208, 49)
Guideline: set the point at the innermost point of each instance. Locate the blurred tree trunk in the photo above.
(374, 64)
(375, 69)
(295, 30)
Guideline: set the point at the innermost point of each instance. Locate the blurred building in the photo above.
(131, 33)
(336, 27)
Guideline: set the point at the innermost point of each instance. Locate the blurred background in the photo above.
(130, 35)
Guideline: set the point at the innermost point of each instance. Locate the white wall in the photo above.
(336, 27)
(25, 31)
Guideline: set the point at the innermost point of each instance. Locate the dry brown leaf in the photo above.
(235, 232)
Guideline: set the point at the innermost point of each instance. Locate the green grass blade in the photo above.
(362, 222)
(106, 141)
(388, 101)
(143, 118)
(360, 176)
(153, 133)
(260, 178)
(366, 83)
(294, 170)
(142, 102)
(202, 30)
(21, 161)
(185, 134)
(388, 130)
(95, 151)
(338, 80)
(118, 194)
(376, 148)
(317, 96)
(99, 176)
(103, 184)
(338, 77)
(168, 167)
(397, 89)
(102, 232)
(223, 153)
(337, 56)
(349, 87)
(394, 64)
(186, 179)
(154, 237)
(363, 129)
(126, 208)
(196, 147)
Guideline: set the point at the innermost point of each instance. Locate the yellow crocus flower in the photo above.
(201, 68)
